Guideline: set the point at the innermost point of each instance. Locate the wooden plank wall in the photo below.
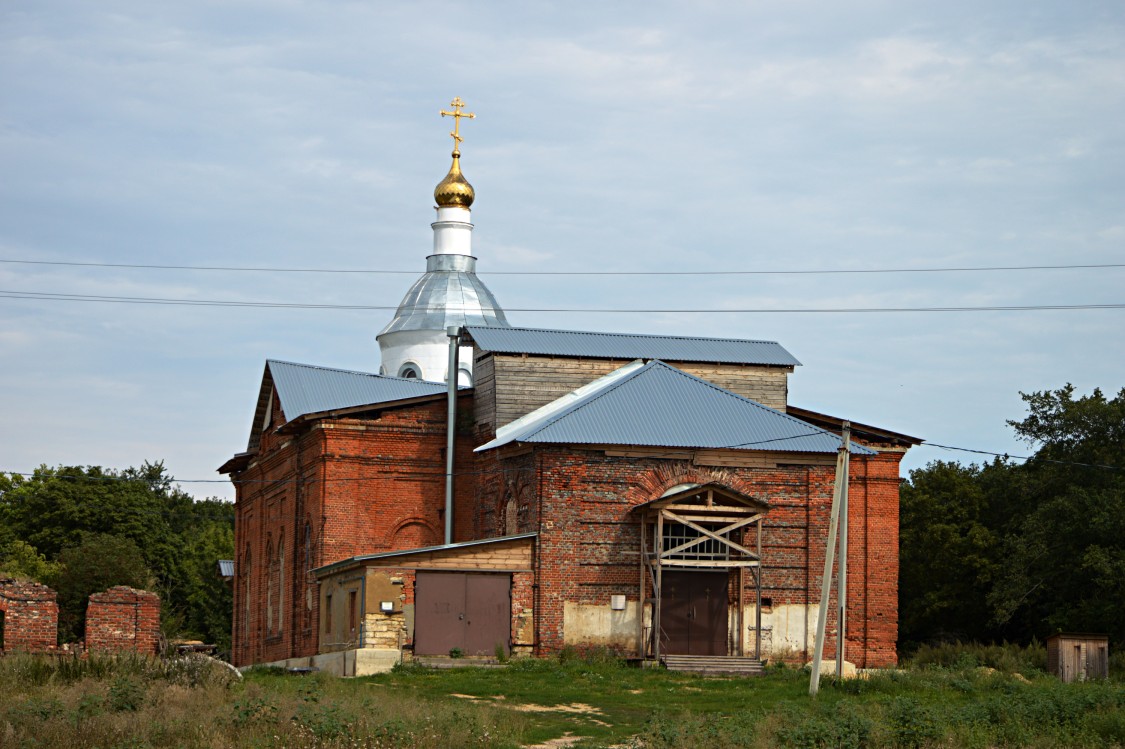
(504, 555)
(509, 386)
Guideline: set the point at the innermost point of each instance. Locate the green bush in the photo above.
(1030, 660)
(912, 724)
(126, 694)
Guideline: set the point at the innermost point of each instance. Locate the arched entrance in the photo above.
(698, 544)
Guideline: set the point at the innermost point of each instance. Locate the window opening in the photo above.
(676, 534)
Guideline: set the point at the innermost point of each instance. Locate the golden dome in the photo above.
(454, 190)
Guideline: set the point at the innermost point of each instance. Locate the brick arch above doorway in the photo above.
(670, 474)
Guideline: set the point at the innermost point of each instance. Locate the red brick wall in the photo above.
(31, 616)
(375, 482)
(363, 484)
(123, 619)
(588, 546)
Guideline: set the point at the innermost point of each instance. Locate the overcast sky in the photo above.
(734, 136)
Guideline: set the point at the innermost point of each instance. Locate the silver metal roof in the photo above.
(661, 406)
(226, 568)
(305, 389)
(629, 346)
(448, 294)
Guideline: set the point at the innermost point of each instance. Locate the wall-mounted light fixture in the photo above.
(387, 607)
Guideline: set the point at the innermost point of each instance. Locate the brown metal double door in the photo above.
(468, 612)
(693, 613)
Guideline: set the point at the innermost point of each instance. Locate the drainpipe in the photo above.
(454, 333)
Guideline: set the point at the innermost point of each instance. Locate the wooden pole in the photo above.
(640, 593)
(658, 549)
(758, 602)
(826, 580)
(842, 573)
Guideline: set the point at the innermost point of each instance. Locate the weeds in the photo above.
(948, 700)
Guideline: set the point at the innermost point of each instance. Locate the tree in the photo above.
(1015, 551)
(58, 508)
(97, 563)
(1065, 561)
(22, 561)
(949, 553)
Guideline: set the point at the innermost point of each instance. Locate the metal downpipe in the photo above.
(454, 333)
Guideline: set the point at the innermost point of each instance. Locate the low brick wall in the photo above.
(31, 616)
(123, 619)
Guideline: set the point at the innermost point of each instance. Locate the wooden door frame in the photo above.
(714, 512)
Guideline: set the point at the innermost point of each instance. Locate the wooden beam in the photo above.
(641, 592)
(718, 508)
(658, 544)
(725, 529)
(716, 518)
(718, 564)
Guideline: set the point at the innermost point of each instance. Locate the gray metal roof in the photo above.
(305, 389)
(226, 568)
(629, 346)
(450, 293)
(661, 406)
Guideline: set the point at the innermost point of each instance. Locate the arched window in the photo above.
(464, 378)
(281, 583)
(410, 371)
(308, 547)
(270, 565)
(244, 572)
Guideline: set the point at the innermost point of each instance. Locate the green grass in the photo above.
(942, 699)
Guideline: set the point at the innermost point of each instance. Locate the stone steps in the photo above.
(444, 661)
(713, 664)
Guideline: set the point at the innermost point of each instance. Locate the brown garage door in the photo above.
(468, 611)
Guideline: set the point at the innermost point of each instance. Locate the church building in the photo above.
(497, 490)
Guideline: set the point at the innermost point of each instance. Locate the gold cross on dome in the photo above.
(457, 114)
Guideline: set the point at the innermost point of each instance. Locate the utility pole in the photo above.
(842, 571)
(839, 497)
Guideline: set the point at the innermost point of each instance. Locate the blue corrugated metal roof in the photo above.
(629, 346)
(661, 406)
(226, 568)
(305, 389)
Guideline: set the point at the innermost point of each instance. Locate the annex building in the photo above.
(655, 495)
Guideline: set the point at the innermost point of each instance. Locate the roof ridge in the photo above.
(630, 335)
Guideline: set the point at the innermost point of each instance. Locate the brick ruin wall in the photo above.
(31, 616)
(120, 619)
(123, 620)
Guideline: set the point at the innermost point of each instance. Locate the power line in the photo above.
(1006, 456)
(384, 474)
(61, 297)
(251, 269)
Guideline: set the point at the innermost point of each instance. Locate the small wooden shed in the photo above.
(1077, 656)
